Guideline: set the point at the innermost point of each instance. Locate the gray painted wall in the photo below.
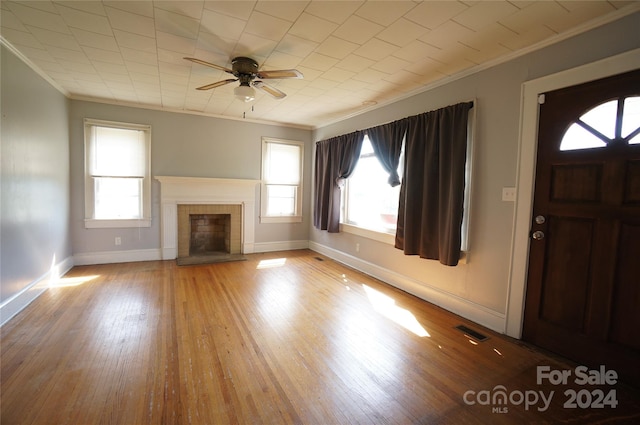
(34, 218)
(182, 145)
(484, 280)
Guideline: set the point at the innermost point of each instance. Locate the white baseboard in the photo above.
(280, 246)
(18, 302)
(169, 253)
(108, 257)
(453, 303)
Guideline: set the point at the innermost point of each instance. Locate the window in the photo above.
(281, 199)
(613, 121)
(117, 174)
(370, 202)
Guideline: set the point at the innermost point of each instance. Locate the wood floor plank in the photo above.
(282, 338)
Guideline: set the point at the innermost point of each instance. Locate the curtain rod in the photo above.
(400, 119)
(472, 102)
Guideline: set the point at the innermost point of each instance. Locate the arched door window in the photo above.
(615, 121)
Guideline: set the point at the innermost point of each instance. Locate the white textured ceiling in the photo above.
(353, 54)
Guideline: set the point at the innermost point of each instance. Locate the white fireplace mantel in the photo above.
(200, 190)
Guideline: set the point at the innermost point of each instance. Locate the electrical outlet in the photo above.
(509, 194)
(118, 240)
(357, 247)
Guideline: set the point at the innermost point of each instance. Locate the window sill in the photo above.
(376, 235)
(281, 219)
(91, 223)
(384, 237)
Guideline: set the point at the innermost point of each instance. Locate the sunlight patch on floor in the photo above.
(65, 282)
(274, 262)
(386, 306)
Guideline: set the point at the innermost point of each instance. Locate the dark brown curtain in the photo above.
(386, 141)
(336, 158)
(432, 191)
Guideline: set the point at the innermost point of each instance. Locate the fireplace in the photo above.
(181, 197)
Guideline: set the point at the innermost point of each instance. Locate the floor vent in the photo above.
(472, 334)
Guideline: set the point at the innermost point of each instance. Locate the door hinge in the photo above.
(541, 98)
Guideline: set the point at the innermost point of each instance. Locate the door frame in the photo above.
(526, 166)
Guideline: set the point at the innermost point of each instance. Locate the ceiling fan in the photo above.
(246, 71)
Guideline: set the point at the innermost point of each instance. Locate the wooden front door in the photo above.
(583, 285)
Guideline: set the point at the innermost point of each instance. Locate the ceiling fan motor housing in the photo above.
(242, 65)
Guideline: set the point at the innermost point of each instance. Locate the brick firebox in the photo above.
(210, 219)
(209, 234)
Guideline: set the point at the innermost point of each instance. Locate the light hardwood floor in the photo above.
(282, 338)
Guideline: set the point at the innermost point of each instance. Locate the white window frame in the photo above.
(379, 234)
(90, 221)
(297, 216)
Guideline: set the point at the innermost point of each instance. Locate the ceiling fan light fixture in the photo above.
(244, 93)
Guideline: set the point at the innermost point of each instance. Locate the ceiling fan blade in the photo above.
(269, 89)
(209, 64)
(217, 84)
(280, 73)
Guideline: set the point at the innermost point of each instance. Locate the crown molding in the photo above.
(33, 66)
